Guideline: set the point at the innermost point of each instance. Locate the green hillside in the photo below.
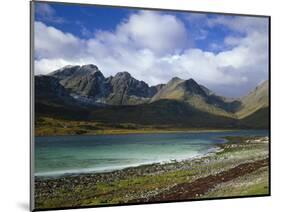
(162, 112)
(255, 100)
(257, 120)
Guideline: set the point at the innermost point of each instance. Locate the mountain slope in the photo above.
(254, 101)
(163, 112)
(88, 83)
(197, 96)
(126, 90)
(53, 100)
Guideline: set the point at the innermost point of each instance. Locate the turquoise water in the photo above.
(57, 155)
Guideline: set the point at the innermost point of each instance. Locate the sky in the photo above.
(228, 54)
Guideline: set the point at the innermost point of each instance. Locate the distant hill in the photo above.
(197, 96)
(254, 101)
(83, 93)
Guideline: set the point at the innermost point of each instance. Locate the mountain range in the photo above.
(84, 93)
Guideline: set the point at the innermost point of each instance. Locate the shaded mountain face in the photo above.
(84, 81)
(49, 89)
(126, 90)
(259, 119)
(53, 100)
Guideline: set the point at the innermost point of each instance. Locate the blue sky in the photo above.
(88, 19)
(226, 53)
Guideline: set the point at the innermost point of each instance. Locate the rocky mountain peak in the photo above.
(64, 72)
(175, 79)
(123, 75)
(70, 71)
(89, 68)
(191, 81)
(192, 87)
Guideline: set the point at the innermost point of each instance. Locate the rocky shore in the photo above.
(240, 168)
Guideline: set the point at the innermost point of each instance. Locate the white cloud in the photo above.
(53, 43)
(154, 48)
(160, 33)
(44, 66)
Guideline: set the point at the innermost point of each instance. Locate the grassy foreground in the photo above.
(240, 168)
(46, 126)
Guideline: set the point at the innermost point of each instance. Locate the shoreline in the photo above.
(133, 185)
(141, 132)
(201, 186)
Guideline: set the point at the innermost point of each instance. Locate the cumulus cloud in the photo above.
(43, 66)
(53, 43)
(160, 33)
(155, 47)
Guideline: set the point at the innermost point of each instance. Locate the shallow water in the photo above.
(56, 155)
